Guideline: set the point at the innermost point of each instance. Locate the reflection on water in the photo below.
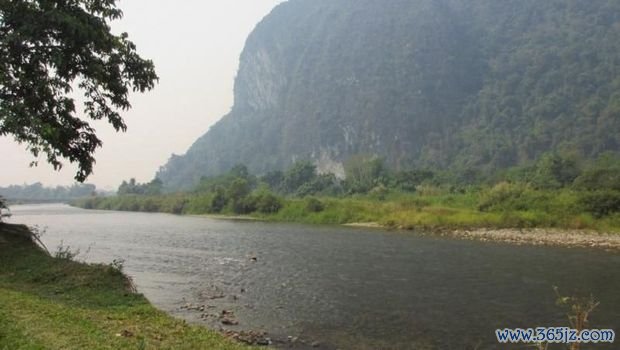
(346, 288)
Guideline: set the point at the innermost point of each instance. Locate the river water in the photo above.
(336, 287)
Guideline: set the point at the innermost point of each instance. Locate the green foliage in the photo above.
(363, 173)
(409, 180)
(240, 171)
(599, 179)
(604, 174)
(379, 192)
(554, 171)
(198, 204)
(503, 196)
(238, 189)
(237, 173)
(324, 184)
(152, 188)
(65, 253)
(559, 201)
(229, 193)
(601, 204)
(506, 205)
(314, 205)
(298, 175)
(267, 203)
(273, 179)
(48, 49)
(218, 201)
(245, 205)
(237, 195)
(174, 203)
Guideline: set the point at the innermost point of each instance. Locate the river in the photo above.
(337, 287)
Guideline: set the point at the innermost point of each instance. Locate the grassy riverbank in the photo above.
(54, 303)
(554, 193)
(503, 213)
(494, 208)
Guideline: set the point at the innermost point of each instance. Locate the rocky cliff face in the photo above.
(440, 83)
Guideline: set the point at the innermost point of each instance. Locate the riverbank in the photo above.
(524, 236)
(531, 217)
(57, 303)
(540, 237)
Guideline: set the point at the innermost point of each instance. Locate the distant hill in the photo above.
(451, 84)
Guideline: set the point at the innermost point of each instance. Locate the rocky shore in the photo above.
(540, 237)
(523, 236)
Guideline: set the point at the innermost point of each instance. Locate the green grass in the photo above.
(535, 209)
(49, 303)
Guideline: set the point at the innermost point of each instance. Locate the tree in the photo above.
(273, 179)
(300, 173)
(154, 187)
(555, 171)
(409, 180)
(364, 172)
(49, 47)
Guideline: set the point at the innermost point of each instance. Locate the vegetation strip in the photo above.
(557, 200)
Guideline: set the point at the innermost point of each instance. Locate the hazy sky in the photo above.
(196, 46)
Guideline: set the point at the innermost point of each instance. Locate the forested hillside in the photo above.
(470, 86)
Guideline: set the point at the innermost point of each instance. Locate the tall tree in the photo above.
(50, 47)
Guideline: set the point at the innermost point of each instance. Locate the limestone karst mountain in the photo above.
(456, 84)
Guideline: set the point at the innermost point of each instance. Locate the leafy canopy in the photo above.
(48, 47)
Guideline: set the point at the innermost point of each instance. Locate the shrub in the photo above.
(503, 196)
(379, 192)
(601, 204)
(314, 205)
(149, 205)
(198, 204)
(599, 179)
(178, 206)
(219, 201)
(65, 253)
(244, 205)
(268, 203)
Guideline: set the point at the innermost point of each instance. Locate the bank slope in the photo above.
(50, 303)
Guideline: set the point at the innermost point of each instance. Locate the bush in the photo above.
(244, 205)
(379, 192)
(503, 196)
(599, 179)
(198, 204)
(149, 205)
(601, 204)
(219, 201)
(268, 203)
(178, 206)
(314, 205)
